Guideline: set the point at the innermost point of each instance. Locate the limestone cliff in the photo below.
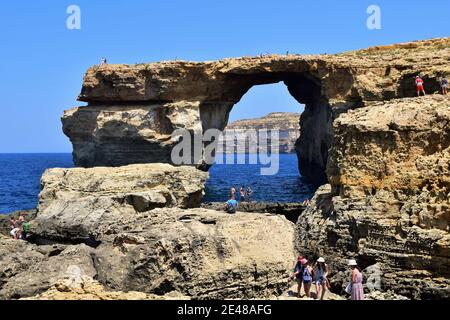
(133, 109)
(389, 201)
(74, 203)
(285, 124)
(129, 229)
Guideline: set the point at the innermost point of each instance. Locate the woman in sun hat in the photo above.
(307, 276)
(298, 274)
(357, 291)
(320, 276)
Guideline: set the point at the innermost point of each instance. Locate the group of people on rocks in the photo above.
(245, 195)
(307, 274)
(421, 88)
(19, 228)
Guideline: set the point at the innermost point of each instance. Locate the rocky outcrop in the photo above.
(5, 219)
(118, 126)
(27, 270)
(85, 288)
(129, 228)
(118, 135)
(117, 225)
(200, 253)
(203, 254)
(236, 136)
(133, 228)
(389, 201)
(290, 210)
(74, 203)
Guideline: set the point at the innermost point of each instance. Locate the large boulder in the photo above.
(86, 288)
(142, 237)
(388, 203)
(201, 253)
(73, 203)
(27, 270)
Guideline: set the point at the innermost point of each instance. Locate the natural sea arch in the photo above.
(316, 121)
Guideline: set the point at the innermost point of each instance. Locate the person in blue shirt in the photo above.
(231, 205)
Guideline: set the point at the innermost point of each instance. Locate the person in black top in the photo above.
(298, 275)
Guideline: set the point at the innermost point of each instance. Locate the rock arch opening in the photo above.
(314, 142)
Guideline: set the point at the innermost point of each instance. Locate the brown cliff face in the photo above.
(285, 123)
(389, 200)
(327, 84)
(386, 158)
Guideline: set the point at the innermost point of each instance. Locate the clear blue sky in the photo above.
(42, 62)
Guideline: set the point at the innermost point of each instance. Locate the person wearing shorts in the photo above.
(320, 275)
(420, 87)
(14, 229)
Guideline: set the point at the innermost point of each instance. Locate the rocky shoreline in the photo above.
(133, 222)
(289, 210)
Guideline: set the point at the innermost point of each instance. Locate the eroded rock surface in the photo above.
(290, 210)
(237, 135)
(86, 288)
(133, 109)
(27, 270)
(389, 200)
(73, 203)
(131, 247)
(200, 253)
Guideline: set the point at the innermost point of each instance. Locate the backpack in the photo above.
(307, 275)
(26, 227)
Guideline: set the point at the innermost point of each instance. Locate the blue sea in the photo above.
(20, 180)
(286, 186)
(20, 176)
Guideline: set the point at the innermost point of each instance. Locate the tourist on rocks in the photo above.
(249, 194)
(233, 192)
(20, 223)
(444, 85)
(103, 62)
(14, 229)
(298, 275)
(320, 271)
(307, 277)
(242, 194)
(231, 205)
(357, 290)
(420, 88)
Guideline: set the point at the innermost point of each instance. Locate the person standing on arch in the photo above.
(420, 88)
